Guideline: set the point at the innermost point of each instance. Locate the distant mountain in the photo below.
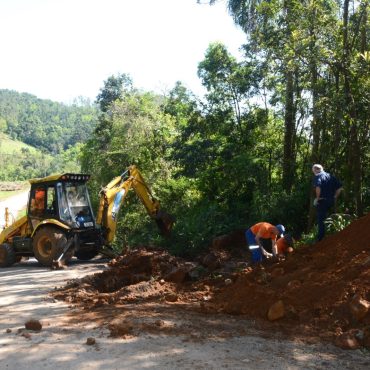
(44, 124)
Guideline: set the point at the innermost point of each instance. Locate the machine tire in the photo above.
(48, 244)
(7, 255)
(86, 255)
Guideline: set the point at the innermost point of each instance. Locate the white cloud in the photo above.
(63, 49)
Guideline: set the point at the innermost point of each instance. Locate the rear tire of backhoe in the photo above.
(48, 244)
(7, 255)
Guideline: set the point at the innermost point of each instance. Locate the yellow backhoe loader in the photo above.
(60, 222)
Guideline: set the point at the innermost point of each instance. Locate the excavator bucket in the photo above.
(164, 222)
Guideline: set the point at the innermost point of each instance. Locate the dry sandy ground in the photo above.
(232, 342)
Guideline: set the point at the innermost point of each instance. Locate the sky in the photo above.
(63, 49)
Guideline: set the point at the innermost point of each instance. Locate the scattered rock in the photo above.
(347, 340)
(177, 275)
(159, 323)
(359, 307)
(211, 261)
(228, 281)
(162, 282)
(8, 331)
(90, 341)
(171, 297)
(276, 311)
(34, 325)
(119, 329)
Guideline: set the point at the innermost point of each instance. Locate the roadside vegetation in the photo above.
(242, 153)
(39, 137)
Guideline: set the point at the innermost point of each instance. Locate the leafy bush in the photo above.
(337, 222)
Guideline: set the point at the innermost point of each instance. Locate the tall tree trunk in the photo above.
(338, 116)
(288, 160)
(315, 123)
(289, 118)
(353, 179)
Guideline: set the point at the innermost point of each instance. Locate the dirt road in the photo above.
(209, 341)
(14, 204)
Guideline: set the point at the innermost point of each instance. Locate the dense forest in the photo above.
(53, 132)
(44, 124)
(242, 153)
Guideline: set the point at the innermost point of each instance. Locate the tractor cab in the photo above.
(61, 197)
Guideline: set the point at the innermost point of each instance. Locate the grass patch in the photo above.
(10, 146)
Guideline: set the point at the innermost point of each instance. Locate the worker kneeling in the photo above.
(284, 246)
(261, 239)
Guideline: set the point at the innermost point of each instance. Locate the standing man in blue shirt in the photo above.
(327, 190)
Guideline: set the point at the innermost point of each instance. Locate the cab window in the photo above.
(38, 198)
(51, 204)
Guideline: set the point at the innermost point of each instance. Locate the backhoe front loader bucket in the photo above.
(165, 222)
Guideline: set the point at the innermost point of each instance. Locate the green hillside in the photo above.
(39, 137)
(44, 124)
(10, 147)
(20, 161)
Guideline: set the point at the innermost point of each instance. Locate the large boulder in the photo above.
(347, 340)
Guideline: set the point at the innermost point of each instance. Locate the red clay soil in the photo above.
(316, 285)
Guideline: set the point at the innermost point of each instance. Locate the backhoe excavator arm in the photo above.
(114, 194)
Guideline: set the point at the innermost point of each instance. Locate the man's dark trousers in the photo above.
(321, 212)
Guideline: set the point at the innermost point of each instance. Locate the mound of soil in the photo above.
(138, 275)
(321, 290)
(320, 286)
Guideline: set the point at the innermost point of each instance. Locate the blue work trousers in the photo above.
(253, 246)
(321, 213)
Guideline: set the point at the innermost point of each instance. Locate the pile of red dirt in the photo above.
(321, 290)
(324, 288)
(138, 275)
